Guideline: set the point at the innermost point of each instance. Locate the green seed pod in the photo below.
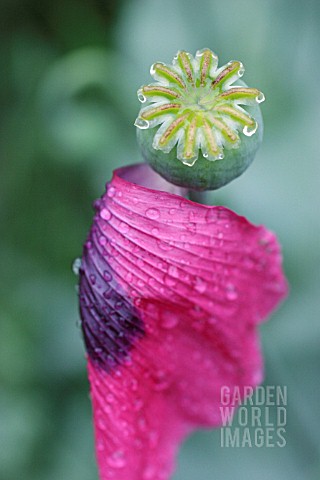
(193, 130)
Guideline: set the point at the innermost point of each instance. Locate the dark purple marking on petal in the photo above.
(110, 322)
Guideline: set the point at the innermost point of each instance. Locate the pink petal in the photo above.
(171, 293)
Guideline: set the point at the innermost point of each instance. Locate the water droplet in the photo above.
(149, 473)
(220, 156)
(107, 293)
(260, 98)
(250, 130)
(166, 247)
(154, 66)
(153, 213)
(111, 192)
(160, 380)
(200, 285)
(117, 459)
(124, 227)
(76, 266)
(100, 446)
(189, 162)
(105, 214)
(232, 293)
(141, 97)
(107, 276)
(173, 271)
(212, 320)
(241, 70)
(169, 320)
(152, 282)
(141, 123)
(172, 211)
(169, 281)
(103, 240)
(92, 279)
(155, 231)
(140, 262)
(101, 424)
(88, 245)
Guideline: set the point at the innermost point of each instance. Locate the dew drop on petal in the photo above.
(88, 245)
(153, 213)
(107, 276)
(168, 320)
(93, 279)
(102, 240)
(76, 266)
(160, 381)
(200, 285)
(124, 227)
(169, 281)
(105, 214)
(173, 271)
(111, 191)
(117, 459)
(232, 293)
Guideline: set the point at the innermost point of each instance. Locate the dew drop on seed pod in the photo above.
(153, 67)
(105, 214)
(250, 130)
(141, 123)
(153, 213)
(241, 70)
(76, 266)
(260, 98)
(141, 97)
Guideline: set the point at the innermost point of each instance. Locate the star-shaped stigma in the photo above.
(196, 106)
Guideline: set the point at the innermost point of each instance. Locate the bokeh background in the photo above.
(69, 74)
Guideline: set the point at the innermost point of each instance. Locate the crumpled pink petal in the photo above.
(171, 293)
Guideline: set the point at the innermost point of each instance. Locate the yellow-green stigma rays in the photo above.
(196, 106)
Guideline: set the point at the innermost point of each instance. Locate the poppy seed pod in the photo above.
(194, 131)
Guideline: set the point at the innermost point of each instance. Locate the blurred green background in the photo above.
(65, 125)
